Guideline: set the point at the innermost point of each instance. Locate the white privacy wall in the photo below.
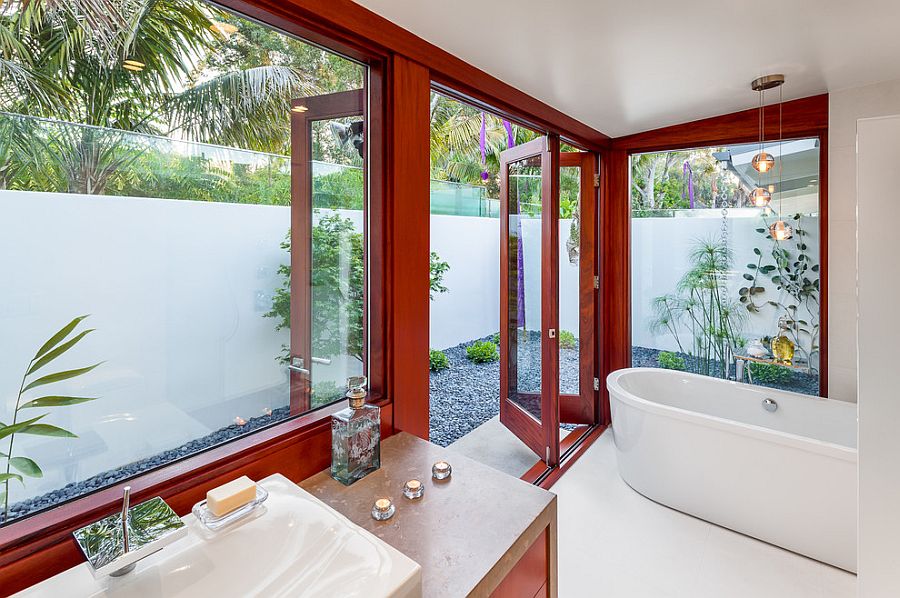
(176, 291)
(470, 309)
(878, 153)
(660, 256)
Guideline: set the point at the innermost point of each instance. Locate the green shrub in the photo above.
(566, 340)
(482, 352)
(437, 269)
(437, 360)
(496, 339)
(325, 393)
(769, 373)
(670, 361)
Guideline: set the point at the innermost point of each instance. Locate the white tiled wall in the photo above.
(845, 108)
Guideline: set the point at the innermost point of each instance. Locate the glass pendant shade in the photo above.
(760, 197)
(763, 162)
(781, 230)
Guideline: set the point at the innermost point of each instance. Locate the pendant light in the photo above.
(780, 230)
(763, 162)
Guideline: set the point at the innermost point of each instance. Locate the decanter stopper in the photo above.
(356, 391)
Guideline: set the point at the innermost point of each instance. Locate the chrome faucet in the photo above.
(115, 544)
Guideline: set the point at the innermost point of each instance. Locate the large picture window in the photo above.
(713, 291)
(155, 209)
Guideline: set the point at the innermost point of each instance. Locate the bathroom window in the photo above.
(714, 290)
(184, 193)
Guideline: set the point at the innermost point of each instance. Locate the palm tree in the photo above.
(138, 66)
(455, 134)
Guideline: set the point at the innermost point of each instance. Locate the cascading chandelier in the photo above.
(763, 162)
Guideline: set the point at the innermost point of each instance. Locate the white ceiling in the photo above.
(624, 66)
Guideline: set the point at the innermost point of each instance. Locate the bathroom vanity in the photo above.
(478, 533)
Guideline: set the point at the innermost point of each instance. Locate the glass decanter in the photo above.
(782, 345)
(355, 436)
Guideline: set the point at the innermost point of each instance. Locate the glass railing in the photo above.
(60, 157)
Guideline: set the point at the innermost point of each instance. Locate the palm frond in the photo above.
(248, 108)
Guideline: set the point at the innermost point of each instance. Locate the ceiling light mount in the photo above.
(767, 82)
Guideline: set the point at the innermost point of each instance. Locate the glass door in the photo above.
(578, 282)
(328, 330)
(548, 277)
(529, 250)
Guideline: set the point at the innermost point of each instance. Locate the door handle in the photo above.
(296, 365)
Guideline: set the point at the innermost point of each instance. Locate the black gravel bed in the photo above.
(642, 357)
(467, 394)
(107, 478)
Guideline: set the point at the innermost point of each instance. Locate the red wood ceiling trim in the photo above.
(803, 117)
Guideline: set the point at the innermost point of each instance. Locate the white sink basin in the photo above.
(298, 546)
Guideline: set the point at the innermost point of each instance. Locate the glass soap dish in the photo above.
(213, 523)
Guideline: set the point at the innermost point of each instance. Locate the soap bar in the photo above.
(228, 497)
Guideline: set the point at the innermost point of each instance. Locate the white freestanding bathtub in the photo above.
(710, 448)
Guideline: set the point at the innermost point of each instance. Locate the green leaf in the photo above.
(56, 401)
(757, 251)
(59, 336)
(27, 466)
(11, 476)
(760, 230)
(13, 429)
(50, 356)
(48, 430)
(747, 277)
(59, 376)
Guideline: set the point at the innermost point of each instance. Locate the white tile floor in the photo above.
(614, 543)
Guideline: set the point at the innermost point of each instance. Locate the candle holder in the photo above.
(413, 489)
(441, 470)
(383, 509)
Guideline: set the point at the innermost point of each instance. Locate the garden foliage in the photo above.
(482, 352)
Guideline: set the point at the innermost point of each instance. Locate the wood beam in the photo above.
(409, 248)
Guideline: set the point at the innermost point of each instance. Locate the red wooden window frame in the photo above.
(803, 118)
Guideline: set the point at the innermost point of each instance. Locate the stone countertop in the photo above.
(466, 532)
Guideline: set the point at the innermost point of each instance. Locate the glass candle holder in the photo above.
(441, 470)
(413, 489)
(383, 509)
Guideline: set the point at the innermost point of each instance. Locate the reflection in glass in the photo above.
(524, 270)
